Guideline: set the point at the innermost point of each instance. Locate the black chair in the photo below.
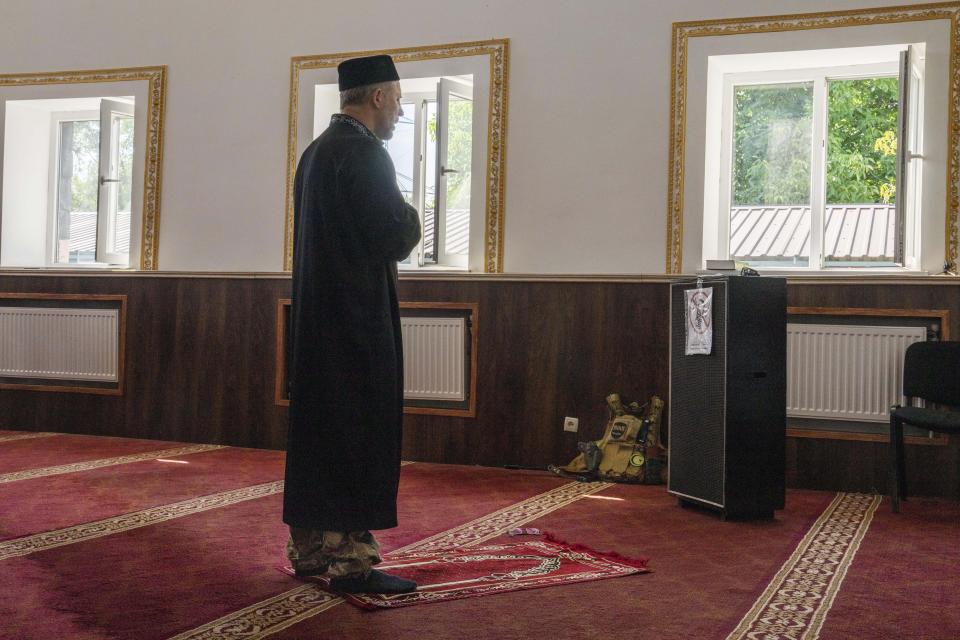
(931, 371)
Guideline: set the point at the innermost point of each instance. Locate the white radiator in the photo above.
(59, 344)
(433, 358)
(846, 372)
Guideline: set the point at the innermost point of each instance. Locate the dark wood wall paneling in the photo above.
(546, 350)
(199, 363)
(201, 354)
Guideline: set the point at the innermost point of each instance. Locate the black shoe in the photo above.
(374, 582)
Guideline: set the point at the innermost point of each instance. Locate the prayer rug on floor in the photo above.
(486, 570)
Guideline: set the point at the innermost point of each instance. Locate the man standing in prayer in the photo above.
(351, 226)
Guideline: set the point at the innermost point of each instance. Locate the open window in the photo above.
(820, 159)
(434, 161)
(68, 182)
(115, 182)
(706, 50)
(449, 149)
(80, 168)
(432, 152)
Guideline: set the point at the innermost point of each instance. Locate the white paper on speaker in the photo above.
(699, 325)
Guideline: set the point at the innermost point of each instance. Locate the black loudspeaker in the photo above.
(727, 410)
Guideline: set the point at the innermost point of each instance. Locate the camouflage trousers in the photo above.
(332, 553)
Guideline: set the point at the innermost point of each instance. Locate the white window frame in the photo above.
(143, 210)
(419, 102)
(56, 119)
(912, 158)
(106, 257)
(818, 76)
(697, 106)
(109, 182)
(775, 67)
(445, 88)
(314, 99)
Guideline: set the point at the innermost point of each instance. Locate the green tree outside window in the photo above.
(772, 149)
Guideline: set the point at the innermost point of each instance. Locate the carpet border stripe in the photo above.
(797, 600)
(27, 545)
(43, 472)
(282, 611)
(28, 436)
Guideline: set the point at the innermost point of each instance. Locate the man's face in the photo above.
(389, 111)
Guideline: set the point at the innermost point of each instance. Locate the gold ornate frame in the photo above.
(156, 78)
(683, 31)
(498, 51)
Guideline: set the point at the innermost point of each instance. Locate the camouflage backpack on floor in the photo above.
(630, 449)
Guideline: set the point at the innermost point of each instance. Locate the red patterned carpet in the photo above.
(468, 572)
(118, 538)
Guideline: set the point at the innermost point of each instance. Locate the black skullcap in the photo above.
(358, 72)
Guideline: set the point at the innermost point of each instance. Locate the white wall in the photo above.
(24, 206)
(588, 126)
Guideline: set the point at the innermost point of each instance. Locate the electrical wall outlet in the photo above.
(571, 424)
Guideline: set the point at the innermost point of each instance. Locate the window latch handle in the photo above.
(445, 171)
(103, 180)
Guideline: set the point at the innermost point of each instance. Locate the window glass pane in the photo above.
(77, 190)
(430, 183)
(860, 216)
(862, 140)
(772, 132)
(459, 157)
(770, 182)
(402, 151)
(123, 135)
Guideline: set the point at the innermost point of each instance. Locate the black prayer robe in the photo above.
(351, 226)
